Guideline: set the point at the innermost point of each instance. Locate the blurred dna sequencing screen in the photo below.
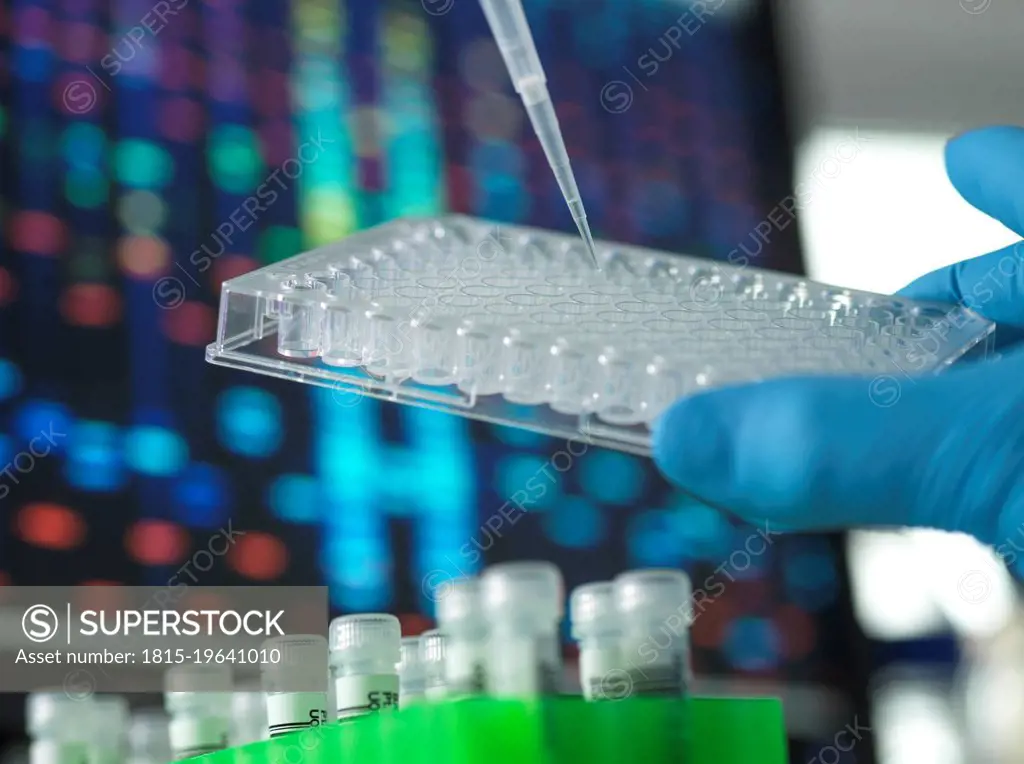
(150, 151)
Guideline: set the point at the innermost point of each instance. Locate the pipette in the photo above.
(512, 34)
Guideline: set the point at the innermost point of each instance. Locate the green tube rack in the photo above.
(550, 731)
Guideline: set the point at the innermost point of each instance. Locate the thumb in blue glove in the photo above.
(944, 452)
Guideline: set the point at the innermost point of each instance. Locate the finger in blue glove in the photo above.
(942, 452)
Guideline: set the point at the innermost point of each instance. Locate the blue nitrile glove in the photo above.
(810, 454)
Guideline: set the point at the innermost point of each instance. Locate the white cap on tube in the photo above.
(54, 715)
(198, 687)
(530, 592)
(432, 649)
(592, 611)
(300, 665)
(198, 677)
(459, 606)
(371, 638)
(644, 597)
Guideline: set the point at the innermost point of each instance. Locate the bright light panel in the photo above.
(878, 209)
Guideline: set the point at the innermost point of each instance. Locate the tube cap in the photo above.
(301, 664)
(432, 647)
(460, 603)
(592, 610)
(205, 686)
(54, 714)
(366, 637)
(654, 594)
(532, 590)
(198, 677)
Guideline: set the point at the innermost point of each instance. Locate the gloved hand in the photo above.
(815, 454)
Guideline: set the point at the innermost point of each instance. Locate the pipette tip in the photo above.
(588, 239)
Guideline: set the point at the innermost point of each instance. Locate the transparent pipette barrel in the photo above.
(512, 35)
(654, 606)
(294, 682)
(365, 652)
(597, 629)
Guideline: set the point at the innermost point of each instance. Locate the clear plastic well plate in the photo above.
(512, 325)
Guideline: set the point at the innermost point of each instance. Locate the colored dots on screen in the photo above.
(7, 287)
(86, 187)
(181, 120)
(141, 211)
(234, 157)
(610, 476)
(142, 164)
(532, 480)
(157, 542)
(191, 323)
(202, 496)
(83, 145)
(249, 421)
(277, 243)
(798, 630)
(91, 305)
(295, 498)
(259, 556)
(228, 267)
(575, 523)
(94, 457)
(143, 257)
(37, 233)
(155, 451)
(328, 215)
(652, 541)
(10, 379)
(753, 644)
(50, 526)
(43, 422)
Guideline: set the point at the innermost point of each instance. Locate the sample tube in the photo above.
(295, 686)
(654, 611)
(460, 616)
(332, 694)
(411, 682)
(198, 699)
(432, 659)
(365, 650)
(59, 729)
(109, 729)
(248, 716)
(149, 740)
(596, 627)
(524, 606)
